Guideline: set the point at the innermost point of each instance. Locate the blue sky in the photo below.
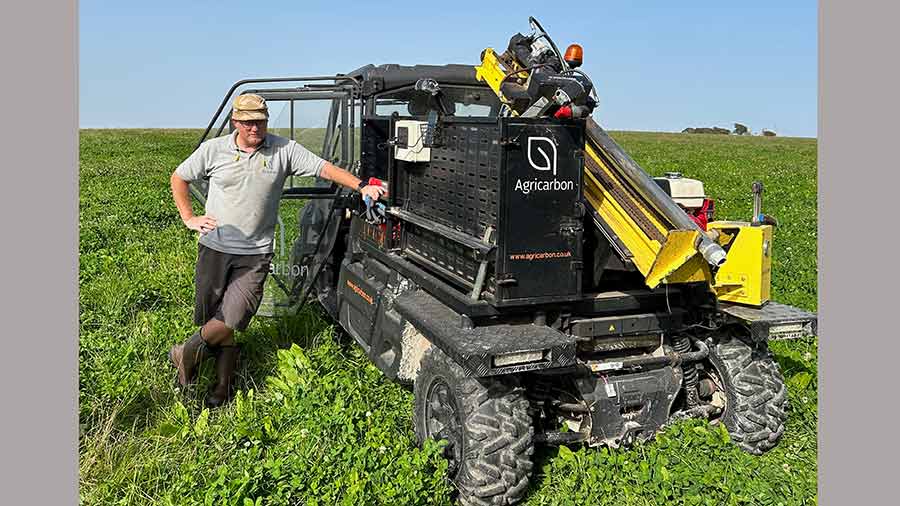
(658, 65)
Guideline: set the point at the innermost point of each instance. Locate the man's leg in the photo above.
(187, 356)
(216, 333)
(239, 304)
(220, 338)
(210, 280)
(206, 342)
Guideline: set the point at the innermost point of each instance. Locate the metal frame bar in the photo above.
(481, 246)
(344, 128)
(292, 134)
(329, 127)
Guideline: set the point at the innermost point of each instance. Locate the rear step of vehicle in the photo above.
(773, 321)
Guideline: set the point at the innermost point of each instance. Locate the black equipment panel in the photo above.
(540, 235)
(519, 179)
(374, 149)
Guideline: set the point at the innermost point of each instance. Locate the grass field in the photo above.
(315, 423)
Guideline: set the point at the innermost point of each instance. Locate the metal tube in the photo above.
(757, 188)
(298, 94)
(482, 268)
(329, 129)
(559, 438)
(712, 252)
(572, 407)
(704, 410)
(351, 157)
(307, 197)
(344, 132)
(671, 358)
(328, 192)
(340, 81)
(292, 136)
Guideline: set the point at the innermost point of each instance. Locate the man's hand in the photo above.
(372, 191)
(203, 224)
(340, 176)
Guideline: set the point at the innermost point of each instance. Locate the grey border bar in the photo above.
(39, 296)
(859, 85)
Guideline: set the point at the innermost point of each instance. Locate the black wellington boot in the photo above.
(226, 362)
(187, 356)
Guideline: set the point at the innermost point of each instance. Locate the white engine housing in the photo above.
(684, 191)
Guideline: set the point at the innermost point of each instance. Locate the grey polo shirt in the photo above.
(245, 188)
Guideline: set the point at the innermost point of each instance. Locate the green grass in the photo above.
(316, 423)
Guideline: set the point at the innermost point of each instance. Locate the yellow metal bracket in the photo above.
(746, 275)
(679, 248)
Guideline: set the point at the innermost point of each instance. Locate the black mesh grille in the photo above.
(458, 188)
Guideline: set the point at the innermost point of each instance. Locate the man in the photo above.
(246, 171)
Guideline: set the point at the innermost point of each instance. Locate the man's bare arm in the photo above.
(342, 177)
(202, 224)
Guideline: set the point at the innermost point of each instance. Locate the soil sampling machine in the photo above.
(529, 280)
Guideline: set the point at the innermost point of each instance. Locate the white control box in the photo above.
(410, 135)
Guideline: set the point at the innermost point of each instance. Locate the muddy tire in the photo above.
(486, 422)
(757, 403)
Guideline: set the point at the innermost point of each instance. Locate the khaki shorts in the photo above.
(228, 287)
